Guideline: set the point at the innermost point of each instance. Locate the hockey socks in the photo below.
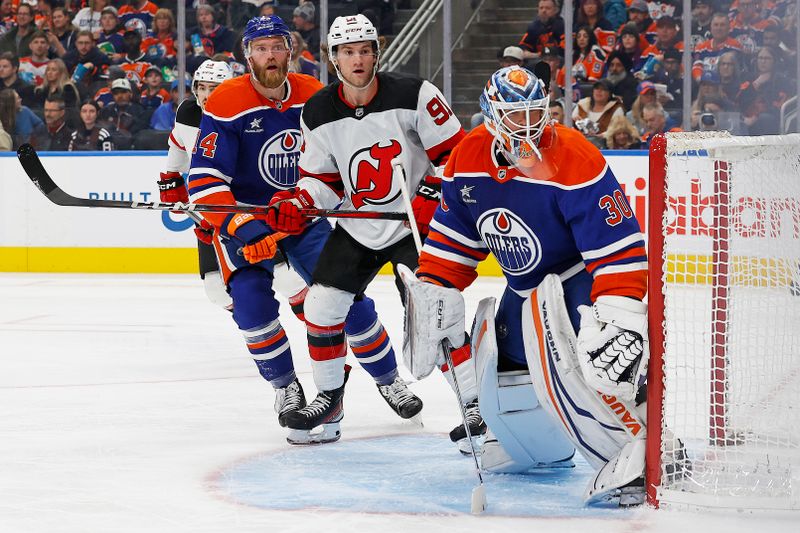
(269, 347)
(327, 350)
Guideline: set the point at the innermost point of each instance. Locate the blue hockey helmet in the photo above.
(259, 27)
(516, 109)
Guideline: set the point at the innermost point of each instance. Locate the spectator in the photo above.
(711, 112)
(709, 87)
(103, 96)
(213, 38)
(163, 118)
(666, 38)
(557, 110)
(109, 39)
(749, 24)
(554, 57)
(665, 8)
(9, 78)
(707, 53)
(32, 67)
(671, 76)
(615, 12)
(639, 16)
(588, 59)
(62, 36)
(761, 98)
(656, 121)
(546, 31)
(590, 13)
(93, 63)
(56, 135)
(512, 55)
(127, 117)
(730, 71)
(26, 123)
(6, 144)
(593, 114)
(153, 94)
(8, 114)
(88, 18)
(6, 16)
(702, 11)
(160, 41)
(380, 13)
(647, 95)
(134, 62)
(303, 21)
(621, 135)
(623, 84)
(299, 63)
(89, 135)
(57, 83)
(17, 39)
(135, 11)
(630, 45)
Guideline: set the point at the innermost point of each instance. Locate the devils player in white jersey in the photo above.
(561, 365)
(208, 76)
(353, 130)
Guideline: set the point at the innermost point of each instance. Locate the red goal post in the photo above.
(724, 312)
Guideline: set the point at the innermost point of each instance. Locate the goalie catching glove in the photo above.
(285, 214)
(612, 345)
(433, 314)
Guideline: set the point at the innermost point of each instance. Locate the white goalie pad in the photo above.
(598, 425)
(529, 438)
(433, 314)
(618, 474)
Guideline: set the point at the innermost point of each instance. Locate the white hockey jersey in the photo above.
(348, 150)
(183, 136)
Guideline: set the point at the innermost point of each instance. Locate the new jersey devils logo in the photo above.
(371, 168)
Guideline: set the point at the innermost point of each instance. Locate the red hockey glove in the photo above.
(285, 214)
(204, 232)
(172, 188)
(425, 202)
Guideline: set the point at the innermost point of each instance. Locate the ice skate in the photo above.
(477, 429)
(318, 422)
(289, 398)
(402, 401)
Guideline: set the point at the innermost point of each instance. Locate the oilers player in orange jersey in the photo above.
(247, 150)
(562, 362)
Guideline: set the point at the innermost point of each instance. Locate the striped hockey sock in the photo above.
(327, 350)
(374, 351)
(269, 347)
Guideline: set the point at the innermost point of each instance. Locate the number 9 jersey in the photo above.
(349, 150)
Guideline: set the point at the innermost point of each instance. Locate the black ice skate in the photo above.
(477, 429)
(326, 411)
(287, 399)
(402, 401)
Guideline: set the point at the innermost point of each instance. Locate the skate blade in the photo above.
(416, 421)
(464, 447)
(304, 437)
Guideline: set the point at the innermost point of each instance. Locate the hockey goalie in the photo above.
(560, 365)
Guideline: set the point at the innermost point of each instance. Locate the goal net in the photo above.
(724, 299)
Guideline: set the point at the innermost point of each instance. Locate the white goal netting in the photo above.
(730, 428)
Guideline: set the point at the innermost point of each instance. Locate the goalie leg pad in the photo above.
(433, 313)
(598, 425)
(620, 477)
(523, 436)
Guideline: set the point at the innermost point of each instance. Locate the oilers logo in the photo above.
(277, 161)
(511, 241)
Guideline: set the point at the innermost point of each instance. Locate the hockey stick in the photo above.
(36, 172)
(478, 503)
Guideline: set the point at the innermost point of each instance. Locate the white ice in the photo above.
(129, 402)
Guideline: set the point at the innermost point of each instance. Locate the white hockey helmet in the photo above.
(211, 72)
(351, 29)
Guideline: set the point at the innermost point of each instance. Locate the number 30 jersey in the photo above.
(349, 150)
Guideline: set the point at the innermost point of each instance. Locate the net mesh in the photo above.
(731, 284)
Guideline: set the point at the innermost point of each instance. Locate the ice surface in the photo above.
(130, 404)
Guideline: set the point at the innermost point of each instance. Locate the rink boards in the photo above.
(37, 236)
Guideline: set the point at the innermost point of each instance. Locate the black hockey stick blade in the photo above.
(36, 172)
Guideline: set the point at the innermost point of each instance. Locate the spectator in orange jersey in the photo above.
(707, 53)
(588, 59)
(639, 15)
(748, 25)
(590, 13)
(160, 40)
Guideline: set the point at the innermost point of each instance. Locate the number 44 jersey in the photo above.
(349, 150)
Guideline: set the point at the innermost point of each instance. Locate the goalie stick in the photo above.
(36, 172)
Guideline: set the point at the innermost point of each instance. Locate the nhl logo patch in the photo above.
(501, 174)
(359, 112)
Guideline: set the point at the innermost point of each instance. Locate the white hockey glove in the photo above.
(433, 313)
(612, 345)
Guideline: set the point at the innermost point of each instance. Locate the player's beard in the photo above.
(271, 79)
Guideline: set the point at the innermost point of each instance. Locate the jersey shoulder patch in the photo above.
(189, 113)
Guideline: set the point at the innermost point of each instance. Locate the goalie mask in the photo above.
(516, 109)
